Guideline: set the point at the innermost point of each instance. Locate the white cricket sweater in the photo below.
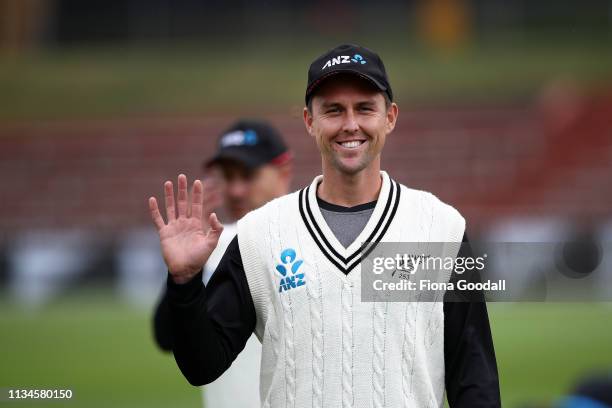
(323, 346)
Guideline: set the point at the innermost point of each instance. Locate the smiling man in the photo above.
(292, 275)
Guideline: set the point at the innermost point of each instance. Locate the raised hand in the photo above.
(185, 245)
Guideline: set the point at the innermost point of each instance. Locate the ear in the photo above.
(307, 120)
(392, 114)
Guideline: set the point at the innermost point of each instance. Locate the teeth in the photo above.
(351, 144)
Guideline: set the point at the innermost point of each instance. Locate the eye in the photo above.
(334, 109)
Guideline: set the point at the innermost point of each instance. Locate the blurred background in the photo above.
(505, 113)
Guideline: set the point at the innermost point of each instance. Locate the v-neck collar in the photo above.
(343, 258)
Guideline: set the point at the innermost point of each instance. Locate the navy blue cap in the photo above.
(351, 59)
(252, 143)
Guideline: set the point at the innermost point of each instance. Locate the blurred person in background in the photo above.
(251, 167)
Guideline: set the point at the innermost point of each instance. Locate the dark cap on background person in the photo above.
(251, 143)
(348, 59)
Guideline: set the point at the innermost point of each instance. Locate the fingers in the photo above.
(155, 215)
(181, 199)
(196, 199)
(169, 197)
(182, 204)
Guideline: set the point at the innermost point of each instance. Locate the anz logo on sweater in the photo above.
(289, 270)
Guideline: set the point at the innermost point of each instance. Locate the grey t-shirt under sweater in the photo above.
(346, 222)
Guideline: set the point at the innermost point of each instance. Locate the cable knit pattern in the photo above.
(380, 333)
(433, 325)
(408, 349)
(274, 241)
(289, 352)
(288, 323)
(316, 324)
(317, 353)
(287, 329)
(347, 346)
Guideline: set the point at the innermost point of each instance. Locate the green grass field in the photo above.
(103, 351)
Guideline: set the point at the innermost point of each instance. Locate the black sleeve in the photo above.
(211, 325)
(469, 356)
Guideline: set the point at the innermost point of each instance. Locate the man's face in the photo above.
(349, 121)
(245, 189)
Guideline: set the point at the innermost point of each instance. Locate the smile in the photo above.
(351, 144)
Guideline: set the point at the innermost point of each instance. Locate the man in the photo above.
(252, 166)
(293, 274)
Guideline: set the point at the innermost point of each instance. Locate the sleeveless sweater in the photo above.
(321, 345)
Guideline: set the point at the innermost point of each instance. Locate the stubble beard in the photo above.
(363, 162)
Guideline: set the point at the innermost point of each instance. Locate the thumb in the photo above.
(216, 228)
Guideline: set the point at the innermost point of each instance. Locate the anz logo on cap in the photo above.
(344, 59)
(239, 138)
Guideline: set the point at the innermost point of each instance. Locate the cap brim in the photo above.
(242, 158)
(337, 71)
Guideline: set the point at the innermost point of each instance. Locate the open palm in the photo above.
(185, 245)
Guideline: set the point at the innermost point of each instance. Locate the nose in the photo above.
(350, 125)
